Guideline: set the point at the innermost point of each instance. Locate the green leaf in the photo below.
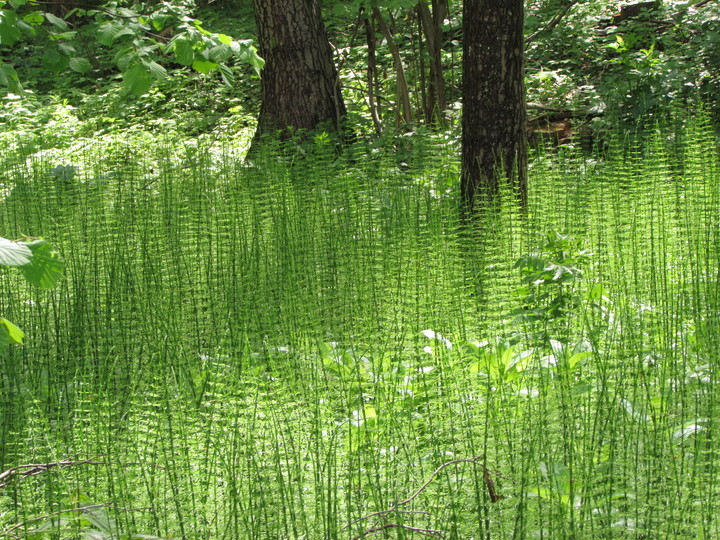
(219, 53)
(14, 253)
(9, 31)
(577, 358)
(138, 79)
(9, 78)
(54, 60)
(63, 35)
(109, 32)
(67, 49)
(10, 334)
(128, 13)
(204, 66)
(227, 74)
(106, 33)
(156, 69)
(56, 21)
(184, 52)
(246, 52)
(80, 65)
(46, 266)
(34, 17)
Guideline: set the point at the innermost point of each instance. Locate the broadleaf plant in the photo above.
(141, 41)
(39, 264)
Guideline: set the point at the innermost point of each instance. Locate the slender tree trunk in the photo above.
(403, 94)
(300, 86)
(494, 145)
(432, 28)
(372, 73)
(424, 98)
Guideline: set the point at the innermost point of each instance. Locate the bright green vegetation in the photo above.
(39, 265)
(278, 351)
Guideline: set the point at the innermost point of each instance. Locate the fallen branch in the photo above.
(489, 484)
(33, 469)
(428, 532)
(552, 24)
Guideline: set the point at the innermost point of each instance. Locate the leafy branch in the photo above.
(142, 42)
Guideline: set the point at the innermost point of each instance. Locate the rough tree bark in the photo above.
(300, 85)
(494, 146)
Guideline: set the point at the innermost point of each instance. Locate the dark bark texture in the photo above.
(494, 145)
(300, 86)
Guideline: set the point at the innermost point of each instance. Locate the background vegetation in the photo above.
(311, 346)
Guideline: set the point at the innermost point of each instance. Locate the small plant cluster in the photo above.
(40, 266)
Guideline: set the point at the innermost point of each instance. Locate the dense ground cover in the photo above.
(286, 349)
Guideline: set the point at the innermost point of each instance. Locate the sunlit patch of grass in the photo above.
(284, 350)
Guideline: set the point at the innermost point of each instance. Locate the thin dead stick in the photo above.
(66, 511)
(552, 24)
(494, 497)
(429, 532)
(33, 469)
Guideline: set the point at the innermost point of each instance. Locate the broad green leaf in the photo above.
(577, 358)
(125, 59)
(62, 36)
(520, 360)
(14, 253)
(80, 65)
(184, 52)
(138, 79)
(9, 31)
(67, 49)
(223, 38)
(10, 334)
(204, 66)
(246, 52)
(46, 267)
(109, 32)
(106, 33)
(34, 17)
(9, 78)
(219, 53)
(17, 3)
(54, 60)
(128, 13)
(226, 74)
(26, 28)
(156, 69)
(56, 21)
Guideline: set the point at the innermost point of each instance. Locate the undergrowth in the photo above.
(313, 350)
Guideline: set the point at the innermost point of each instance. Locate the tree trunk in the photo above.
(432, 28)
(403, 94)
(494, 145)
(300, 85)
(372, 74)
